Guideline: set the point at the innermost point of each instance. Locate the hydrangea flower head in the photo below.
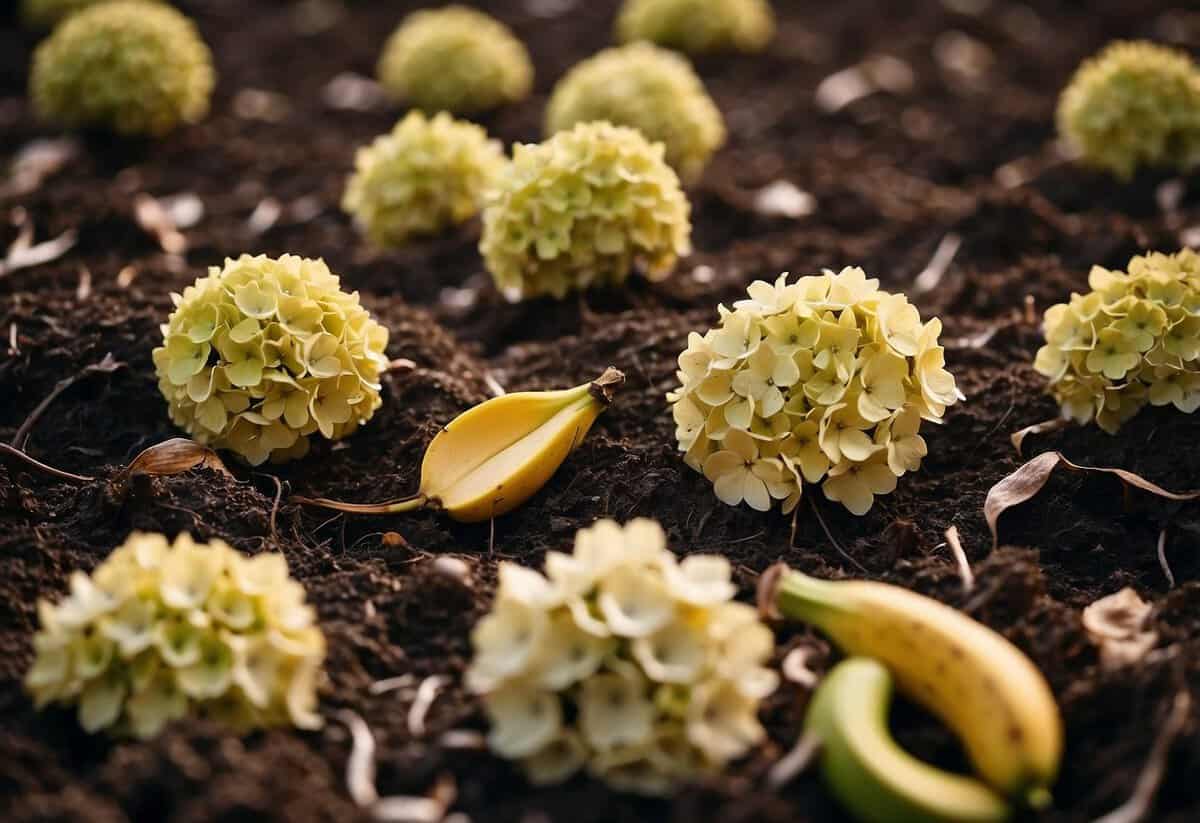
(1134, 339)
(822, 380)
(650, 89)
(161, 630)
(455, 59)
(698, 26)
(133, 66)
(425, 175)
(1134, 104)
(622, 660)
(581, 209)
(265, 352)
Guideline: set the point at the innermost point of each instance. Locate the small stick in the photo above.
(1141, 801)
(1162, 558)
(107, 365)
(833, 540)
(960, 556)
(37, 464)
(427, 692)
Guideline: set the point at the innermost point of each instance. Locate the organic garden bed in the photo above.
(956, 156)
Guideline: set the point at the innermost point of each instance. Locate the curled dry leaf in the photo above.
(1117, 624)
(1052, 425)
(1029, 479)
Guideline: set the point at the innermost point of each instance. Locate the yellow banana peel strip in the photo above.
(496, 455)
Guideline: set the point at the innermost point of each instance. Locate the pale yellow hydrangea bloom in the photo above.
(265, 352)
(161, 630)
(581, 209)
(698, 26)
(455, 59)
(136, 67)
(822, 380)
(622, 660)
(647, 88)
(1134, 339)
(1134, 104)
(424, 175)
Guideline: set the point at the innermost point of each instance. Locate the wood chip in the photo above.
(784, 199)
(23, 255)
(427, 692)
(360, 766)
(935, 270)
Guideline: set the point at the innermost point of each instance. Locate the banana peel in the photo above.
(969, 676)
(496, 455)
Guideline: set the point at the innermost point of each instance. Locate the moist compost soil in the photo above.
(959, 150)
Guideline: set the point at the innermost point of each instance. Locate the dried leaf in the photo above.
(22, 255)
(35, 162)
(1117, 624)
(1029, 479)
(174, 456)
(1051, 425)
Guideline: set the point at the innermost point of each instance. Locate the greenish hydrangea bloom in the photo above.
(825, 380)
(1134, 339)
(265, 352)
(423, 176)
(162, 630)
(455, 59)
(698, 26)
(1135, 104)
(43, 14)
(647, 88)
(582, 209)
(132, 66)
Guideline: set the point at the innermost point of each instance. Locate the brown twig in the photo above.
(1162, 558)
(37, 464)
(832, 539)
(1140, 803)
(106, 366)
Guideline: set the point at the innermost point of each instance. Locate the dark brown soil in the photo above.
(892, 175)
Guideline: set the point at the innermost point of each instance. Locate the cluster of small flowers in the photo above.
(1134, 339)
(264, 352)
(827, 378)
(162, 629)
(424, 175)
(647, 88)
(1135, 104)
(582, 209)
(622, 660)
(137, 67)
(698, 26)
(455, 59)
